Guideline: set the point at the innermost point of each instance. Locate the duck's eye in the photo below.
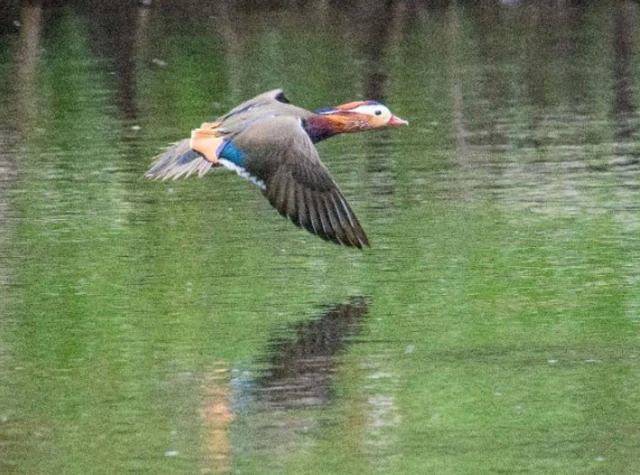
(378, 112)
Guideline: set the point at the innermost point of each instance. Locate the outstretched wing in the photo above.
(266, 98)
(280, 153)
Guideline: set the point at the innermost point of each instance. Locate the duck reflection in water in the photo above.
(300, 363)
(298, 367)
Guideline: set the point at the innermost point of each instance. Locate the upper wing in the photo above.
(266, 98)
(280, 153)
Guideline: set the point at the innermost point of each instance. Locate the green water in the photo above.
(185, 327)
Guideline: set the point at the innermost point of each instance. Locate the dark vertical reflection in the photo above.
(381, 28)
(452, 24)
(300, 367)
(227, 20)
(377, 20)
(27, 59)
(17, 113)
(493, 50)
(570, 48)
(27, 64)
(115, 36)
(537, 45)
(625, 70)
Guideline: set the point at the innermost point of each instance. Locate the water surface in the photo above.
(185, 327)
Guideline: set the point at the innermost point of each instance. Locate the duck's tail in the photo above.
(178, 160)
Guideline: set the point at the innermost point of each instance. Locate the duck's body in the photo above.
(271, 142)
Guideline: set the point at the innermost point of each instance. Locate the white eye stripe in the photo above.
(372, 109)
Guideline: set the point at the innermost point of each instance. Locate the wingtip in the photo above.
(361, 245)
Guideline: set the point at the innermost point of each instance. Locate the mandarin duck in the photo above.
(270, 141)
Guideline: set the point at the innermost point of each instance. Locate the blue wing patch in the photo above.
(231, 153)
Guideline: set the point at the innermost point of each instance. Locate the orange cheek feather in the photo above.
(354, 122)
(378, 121)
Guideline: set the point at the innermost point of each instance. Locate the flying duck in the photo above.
(270, 141)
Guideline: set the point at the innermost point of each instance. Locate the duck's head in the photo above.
(358, 116)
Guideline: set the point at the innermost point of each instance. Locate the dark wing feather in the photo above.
(298, 185)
